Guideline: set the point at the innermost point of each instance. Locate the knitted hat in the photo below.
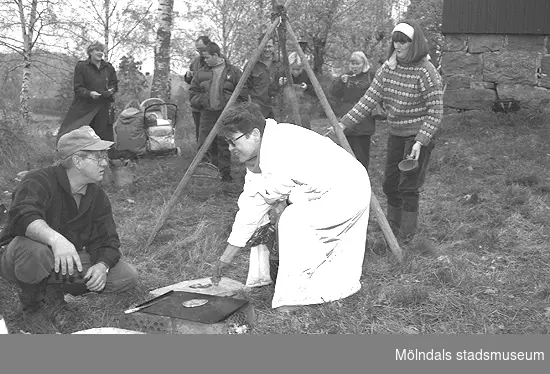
(81, 139)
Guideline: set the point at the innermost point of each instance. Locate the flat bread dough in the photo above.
(193, 303)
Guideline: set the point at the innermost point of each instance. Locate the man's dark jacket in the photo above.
(199, 92)
(46, 194)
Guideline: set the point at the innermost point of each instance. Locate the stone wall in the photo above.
(479, 69)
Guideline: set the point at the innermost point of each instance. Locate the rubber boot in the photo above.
(409, 221)
(394, 218)
(61, 314)
(36, 315)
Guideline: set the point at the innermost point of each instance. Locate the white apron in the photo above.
(322, 233)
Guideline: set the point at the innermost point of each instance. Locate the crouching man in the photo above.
(60, 235)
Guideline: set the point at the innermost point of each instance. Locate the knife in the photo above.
(148, 303)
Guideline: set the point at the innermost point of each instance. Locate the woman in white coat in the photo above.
(322, 232)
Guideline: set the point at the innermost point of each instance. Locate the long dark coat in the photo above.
(84, 110)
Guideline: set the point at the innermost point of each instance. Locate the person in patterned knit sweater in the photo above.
(410, 89)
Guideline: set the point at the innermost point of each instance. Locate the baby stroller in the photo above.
(147, 131)
(160, 129)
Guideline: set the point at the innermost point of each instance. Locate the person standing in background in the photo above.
(262, 82)
(410, 89)
(211, 89)
(345, 92)
(303, 89)
(95, 83)
(196, 64)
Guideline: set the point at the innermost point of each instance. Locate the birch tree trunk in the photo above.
(161, 85)
(107, 9)
(27, 33)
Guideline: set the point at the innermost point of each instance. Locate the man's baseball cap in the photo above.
(81, 139)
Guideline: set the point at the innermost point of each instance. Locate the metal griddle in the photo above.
(217, 309)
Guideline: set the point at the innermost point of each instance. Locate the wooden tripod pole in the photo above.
(380, 216)
(189, 173)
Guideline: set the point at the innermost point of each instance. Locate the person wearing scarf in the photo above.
(410, 90)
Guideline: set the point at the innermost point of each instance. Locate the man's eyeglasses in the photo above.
(103, 157)
(232, 141)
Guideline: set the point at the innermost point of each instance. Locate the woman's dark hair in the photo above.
(419, 45)
(244, 118)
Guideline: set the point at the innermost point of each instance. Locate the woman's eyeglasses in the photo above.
(232, 141)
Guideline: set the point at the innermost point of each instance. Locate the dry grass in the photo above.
(480, 264)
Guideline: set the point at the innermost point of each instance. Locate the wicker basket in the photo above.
(206, 181)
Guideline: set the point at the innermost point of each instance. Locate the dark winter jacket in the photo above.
(263, 85)
(304, 78)
(130, 133)
(195, 65)
(46, 194)
(199, 92)
(88, 78)
(345, 95)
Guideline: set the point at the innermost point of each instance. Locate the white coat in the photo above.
(322, 233)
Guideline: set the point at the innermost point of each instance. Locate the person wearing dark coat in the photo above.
(95, 82)
(262, 83)
(345, 93)
(60, 235)
(196, 64)
(303, 89)
(211, 88)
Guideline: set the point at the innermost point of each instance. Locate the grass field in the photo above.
(480, 263)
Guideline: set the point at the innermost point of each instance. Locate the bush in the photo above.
(19, 149)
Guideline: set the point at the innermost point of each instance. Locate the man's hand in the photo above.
(415, 151)
(65, 256)
(218, 270)
(282, 81)
(96, 277)
(95, 95)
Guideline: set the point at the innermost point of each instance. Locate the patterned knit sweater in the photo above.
(412, 97)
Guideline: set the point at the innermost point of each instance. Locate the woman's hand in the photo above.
(330, 130)
(415, 151)
(282, 81)
(218, 271)
(95, 95)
